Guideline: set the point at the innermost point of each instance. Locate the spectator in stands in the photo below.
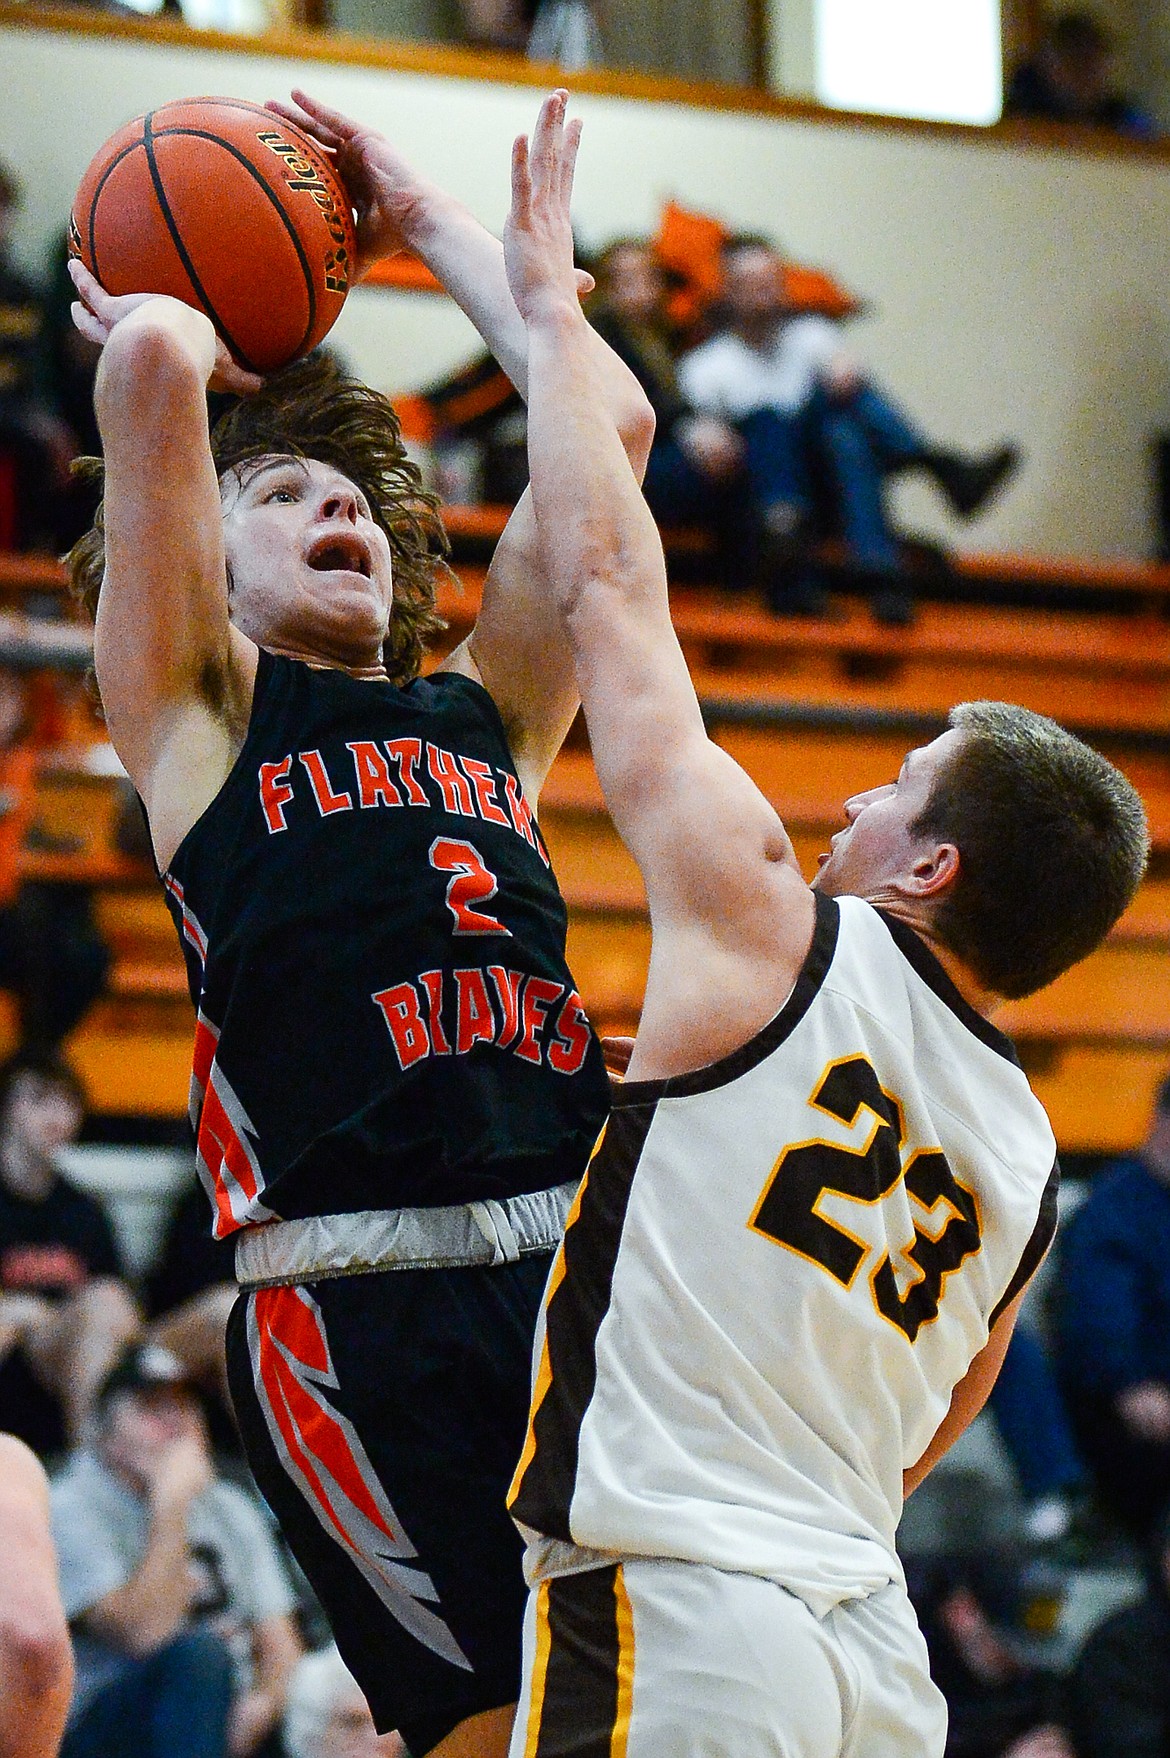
(1069, 79)
(65, 1313)
(52, 957)
(1029, 1411)
(813, 425)
(327, 1716)
(70, 369)
(696, 474)
(36, 1662)
(560, 31)
(36, 444)
(189, 1295)
(1119, 1692)
(1113, 1328)
(181, 1610)
(998, 1705)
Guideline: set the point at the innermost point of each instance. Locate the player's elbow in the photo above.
(636, 423)
(37, 1656)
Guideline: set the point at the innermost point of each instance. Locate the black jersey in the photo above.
(375, 945)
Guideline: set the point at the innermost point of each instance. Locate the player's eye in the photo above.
(283, 496)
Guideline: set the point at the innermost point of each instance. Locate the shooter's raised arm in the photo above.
(174, 675)
(517, 648)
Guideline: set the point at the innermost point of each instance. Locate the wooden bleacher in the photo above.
(814, 710)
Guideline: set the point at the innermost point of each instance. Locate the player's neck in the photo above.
(985, 1001)
(367, 669)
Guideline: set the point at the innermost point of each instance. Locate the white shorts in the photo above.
(653, 1658)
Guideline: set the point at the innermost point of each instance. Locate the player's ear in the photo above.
(935, 870)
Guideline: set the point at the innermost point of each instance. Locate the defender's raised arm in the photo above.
(517, 649)
(720, 874)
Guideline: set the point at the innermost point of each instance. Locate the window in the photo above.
(940, 59)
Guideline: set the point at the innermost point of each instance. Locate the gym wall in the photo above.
(1014, 290)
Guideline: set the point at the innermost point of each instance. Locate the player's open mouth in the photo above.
(339, 556)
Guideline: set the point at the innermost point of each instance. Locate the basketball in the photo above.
(229, 208)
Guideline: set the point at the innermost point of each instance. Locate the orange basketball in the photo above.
(229, 208)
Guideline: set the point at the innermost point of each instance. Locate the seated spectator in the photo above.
(327, 1716)
(695, 474)
(1119, 1692)
(70, 369)
(170, 1577)
(65, 1313)
(1028, 1407)
(812, 425)
(36, 444)
(52, 957)
(561, 31)
(189, 1295)
(1069, 79)
(998, 1705)
(1113, 1328)
(36, 1663)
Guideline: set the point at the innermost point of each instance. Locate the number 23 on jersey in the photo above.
(945, 1213)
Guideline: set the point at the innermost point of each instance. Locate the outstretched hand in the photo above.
(538, 235)
(382, 185)
(97, 314)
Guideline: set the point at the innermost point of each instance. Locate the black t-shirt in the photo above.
(54, 1246)
(47, 1248)
(375, 944)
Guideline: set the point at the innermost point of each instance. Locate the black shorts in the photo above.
(383, 1416)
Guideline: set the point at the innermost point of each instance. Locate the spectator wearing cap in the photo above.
(326, 1715)
(171, 1580)
(65, 1312)
(1113, 1328)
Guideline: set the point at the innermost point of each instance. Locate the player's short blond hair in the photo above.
(1052, 843)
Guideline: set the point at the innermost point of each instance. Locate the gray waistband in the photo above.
(487, 1232)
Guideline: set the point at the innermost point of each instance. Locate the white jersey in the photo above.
(776, 1272)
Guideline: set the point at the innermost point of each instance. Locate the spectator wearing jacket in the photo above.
(1113, 1328)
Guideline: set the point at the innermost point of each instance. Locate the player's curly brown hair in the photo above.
(312, 410)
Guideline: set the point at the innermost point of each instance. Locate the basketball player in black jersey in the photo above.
(394, 1087)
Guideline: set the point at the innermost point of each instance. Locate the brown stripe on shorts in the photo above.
(583, 1670)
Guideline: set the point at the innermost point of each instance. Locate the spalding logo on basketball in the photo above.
(229, 208)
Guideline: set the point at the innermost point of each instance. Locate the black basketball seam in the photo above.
(101, 183)
(271, 191)
(177, 241)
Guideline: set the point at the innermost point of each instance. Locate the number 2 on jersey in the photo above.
(945, 1233)
(470, 883)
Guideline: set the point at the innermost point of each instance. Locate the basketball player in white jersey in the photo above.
(791, 1273)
